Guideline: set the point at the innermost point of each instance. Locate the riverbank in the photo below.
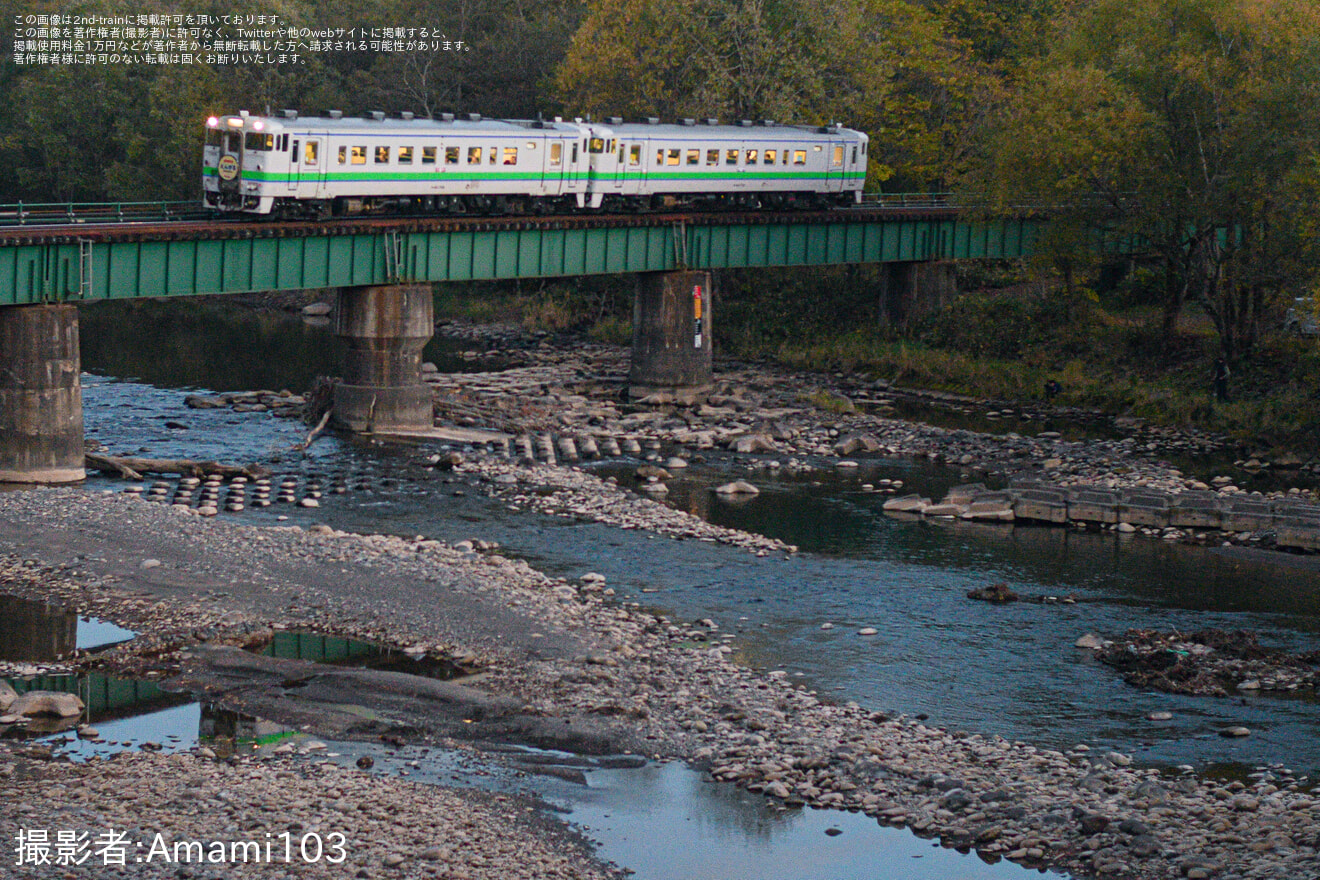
(553, 651)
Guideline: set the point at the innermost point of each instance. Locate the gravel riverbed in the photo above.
(556, 653)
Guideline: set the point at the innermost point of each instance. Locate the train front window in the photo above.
(596, 145)
(213, 137)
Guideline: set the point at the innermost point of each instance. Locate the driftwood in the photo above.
(134, 468)
(320, 426)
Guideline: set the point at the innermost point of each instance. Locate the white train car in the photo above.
(317, 166)
(748, 165)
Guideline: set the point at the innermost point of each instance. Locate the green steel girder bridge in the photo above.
(87, 262)
(382, 267)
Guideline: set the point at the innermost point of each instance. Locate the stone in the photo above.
(1090, 642)
(35, 703)
(737, 487)
(7, 696)
(867, 631)
(1232, 732)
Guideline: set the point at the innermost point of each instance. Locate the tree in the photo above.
(1182, 125)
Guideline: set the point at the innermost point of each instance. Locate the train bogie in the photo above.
(333, 165)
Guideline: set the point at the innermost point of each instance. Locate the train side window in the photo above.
(360, 155)
(836, 157)
(673, 157)
(635, 154)
(611, 148)
(405, 155)
(573, 157)
(799, 157)
(258, 142)
(510, 155)
(311, 152)
(863, 148)
(770, 157)
(556, 154)
(751, 157)
(382, 155)
(451, 155)
(660, 156)
(731, 156)
(854, 155)
(428, 155)
(621, 151)
(712, 157)
(784, 160)
(474, 155)
(294, 157)
(343, 155)
(493, 151)
(694, 157)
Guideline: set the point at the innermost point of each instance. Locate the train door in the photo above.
(312, 165)
(294, 170)
(555, 160)
(834, 166)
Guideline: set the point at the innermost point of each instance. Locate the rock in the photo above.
(35, 703)
(7, 696)
(149, 563)
(676, 463)
(1090, 641)
(366, 762)
(997, 593)
(737, 487)
(1159, 716)
(867, 631)
(1232, 732)
(907, 504)
(651, 472)
(750, 443)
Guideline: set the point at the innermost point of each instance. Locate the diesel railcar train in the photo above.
(336, 165)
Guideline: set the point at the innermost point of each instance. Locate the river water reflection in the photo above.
(1010, 670)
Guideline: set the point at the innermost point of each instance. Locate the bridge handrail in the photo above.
(52, 213)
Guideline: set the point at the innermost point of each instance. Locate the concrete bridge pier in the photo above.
(913, 290)
(386, 328)
(41, 418)
(672, 347)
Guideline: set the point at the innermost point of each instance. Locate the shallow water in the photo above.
(1009, 670)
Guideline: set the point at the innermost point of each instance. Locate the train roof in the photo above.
(368, 124)
(679, 130)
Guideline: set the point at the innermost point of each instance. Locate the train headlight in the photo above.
(258, 125)
(212, 122)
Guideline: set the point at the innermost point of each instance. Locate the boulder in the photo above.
(7, 696)
(737, 487)
(35, 703)
(907, 504)
(749, 443)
